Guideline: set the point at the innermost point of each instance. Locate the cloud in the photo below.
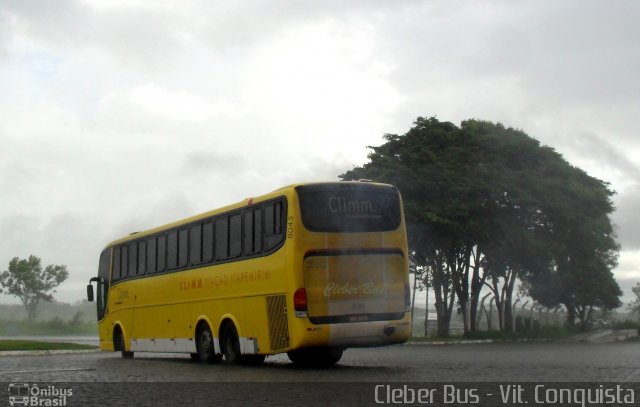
(122, 115)
(626, 217)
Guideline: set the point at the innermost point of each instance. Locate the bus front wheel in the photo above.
(119, 339)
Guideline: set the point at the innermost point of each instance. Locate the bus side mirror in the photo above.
(90, 289)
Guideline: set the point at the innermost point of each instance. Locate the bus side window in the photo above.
(116, 264)
(235, 235)
(257, 230)
(124, 251)
(207, 242)
(252, 231)
(195, 244)
(162, 253)
(272, 225)
(183, 247)
(142, 258)
(172, 250)
(133, 259)
(151, 254)
(222, 238)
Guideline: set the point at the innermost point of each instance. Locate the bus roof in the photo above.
(237, 205)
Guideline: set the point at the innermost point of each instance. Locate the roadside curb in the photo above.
(46, 352)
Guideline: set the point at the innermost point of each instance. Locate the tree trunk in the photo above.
(32, 310)
(441, 282)
(477, 282)
(571, 315)
(459, 263)
(507, 303)
(426, 312)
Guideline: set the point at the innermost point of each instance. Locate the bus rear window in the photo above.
(349, 207)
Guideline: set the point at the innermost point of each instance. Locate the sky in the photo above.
(120, 115)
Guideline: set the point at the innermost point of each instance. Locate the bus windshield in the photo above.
(349, 207)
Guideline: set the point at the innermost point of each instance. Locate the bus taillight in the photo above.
(300, 302)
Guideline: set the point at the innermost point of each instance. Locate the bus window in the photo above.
(103, 283)
(272, 225)
(133, 259)
(195, 246)
(183, 247)
(151, 254)
(142, 258)
(207, 242)
(252, 231)
(222, 237)
(257, 230)
(172, 250)
(123, 262)
(162, 253)
(116, 264)
(349, 208)
(235, 235)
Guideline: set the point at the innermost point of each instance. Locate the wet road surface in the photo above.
(518, 362)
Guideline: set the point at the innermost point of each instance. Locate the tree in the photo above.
(634, 306)
(583, 246)
(487, 206)
(27, 280)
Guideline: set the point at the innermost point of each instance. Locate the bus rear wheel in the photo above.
(231, 344)
(316, 357)
(231, 348)
(204, 346)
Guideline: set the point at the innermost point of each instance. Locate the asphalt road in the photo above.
(360, 369)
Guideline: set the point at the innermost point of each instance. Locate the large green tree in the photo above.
(27, 280)
(584, 249)
(487, 206)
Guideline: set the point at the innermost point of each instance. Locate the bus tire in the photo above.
(298, 357)
(329, 356)
(231, 344)
(118, 337)
(204, 345)
(231, 348)
(316, 357)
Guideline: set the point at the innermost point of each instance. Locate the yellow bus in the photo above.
(309, 269)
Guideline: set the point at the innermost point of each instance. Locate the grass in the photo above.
(15, 345)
